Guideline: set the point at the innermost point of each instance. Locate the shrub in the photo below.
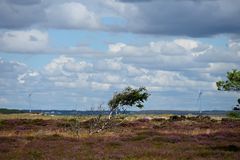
(234, 114)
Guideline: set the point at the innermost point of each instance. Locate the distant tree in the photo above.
(128, 97)
(232, 83)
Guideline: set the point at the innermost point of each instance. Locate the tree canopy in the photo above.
(232, 83)
(129, 97)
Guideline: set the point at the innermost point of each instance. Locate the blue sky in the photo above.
(74, 54)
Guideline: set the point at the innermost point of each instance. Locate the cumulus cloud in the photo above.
(103, 75)
(56, 14)
(218, 68)
(71, 15)
(230, 54)
(107, 75)
(180, 63)
(10, 70)
(30, 41)
(165, 55)
(66, 78)
(175, 47)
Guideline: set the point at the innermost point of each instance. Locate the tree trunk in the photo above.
(110, 114)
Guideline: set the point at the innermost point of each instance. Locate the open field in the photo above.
(25, 136)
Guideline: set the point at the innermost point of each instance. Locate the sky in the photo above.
(75, 54)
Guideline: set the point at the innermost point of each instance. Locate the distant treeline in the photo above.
(74, 112)
(10, 111)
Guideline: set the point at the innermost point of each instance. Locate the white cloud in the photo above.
(77, 67)
(30, 41)
(175, 54)
(235, 46)
(167, 48)
(100, 86)
(20, 78)
(56, 66)
(72, 15)
(108, 73)
(134, 71)
(228, 54)
(10, 70)
(27, 75)
(166, 80)
(177, 47)
(217, 68)
(114, 48)
(110, 64)
(164, 67)
(186, 43)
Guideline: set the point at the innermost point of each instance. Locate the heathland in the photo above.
(32, 136)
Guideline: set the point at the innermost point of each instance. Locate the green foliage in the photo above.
(10, 111)
(234, 114)
(129, 97)
(232, 83)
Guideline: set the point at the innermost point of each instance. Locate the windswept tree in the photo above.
(232, 83)
(128, 97)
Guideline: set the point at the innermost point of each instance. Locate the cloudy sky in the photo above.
(74, 54)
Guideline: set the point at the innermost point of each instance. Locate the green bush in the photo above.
(234, 114)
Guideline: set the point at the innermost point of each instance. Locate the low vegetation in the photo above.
(125, 137)
(128, 97)
(234, 114)
(137, 137)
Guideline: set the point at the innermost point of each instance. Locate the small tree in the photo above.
(232, 83)
(128, 97)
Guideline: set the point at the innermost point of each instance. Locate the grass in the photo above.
(37, 116)
(44, 137)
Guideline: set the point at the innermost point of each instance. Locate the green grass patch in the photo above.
(235, 114)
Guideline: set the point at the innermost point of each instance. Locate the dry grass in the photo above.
(151, 137)
(37, 116)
